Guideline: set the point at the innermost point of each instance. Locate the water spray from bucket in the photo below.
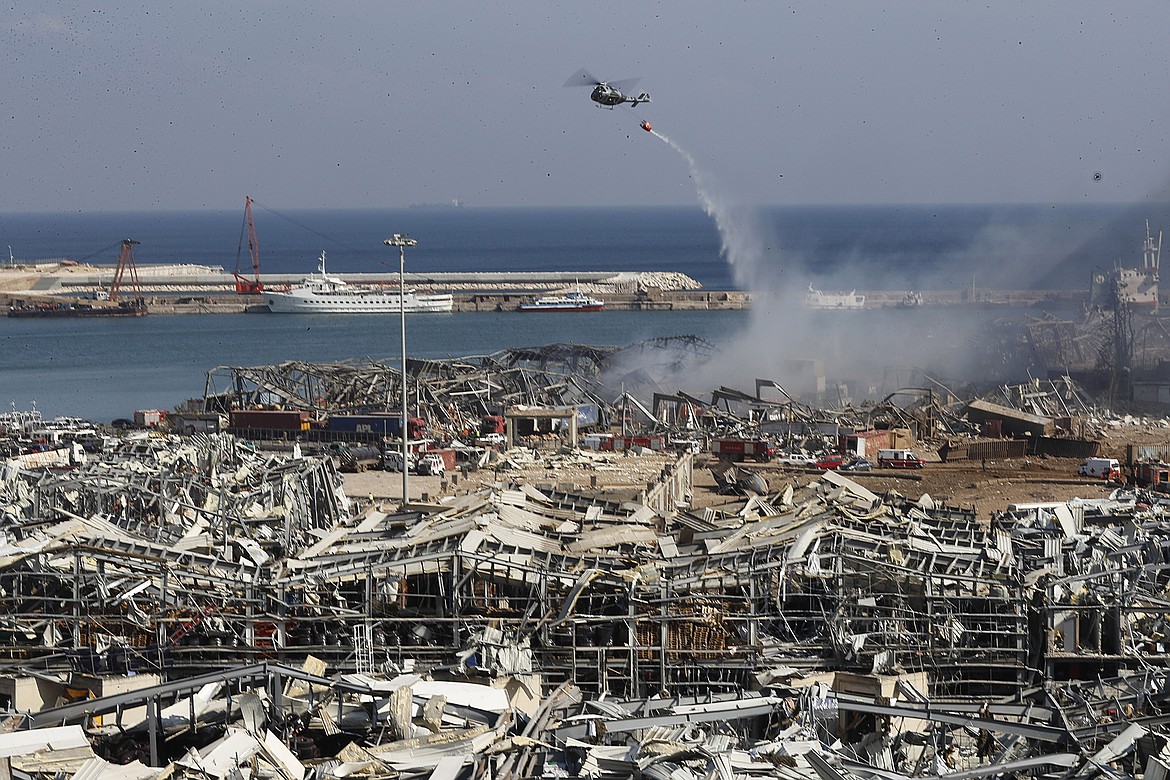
(739, 238)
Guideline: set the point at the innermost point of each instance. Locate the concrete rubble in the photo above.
(199, 607)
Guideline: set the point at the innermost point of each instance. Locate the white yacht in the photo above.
(817, 299)
(325, 294)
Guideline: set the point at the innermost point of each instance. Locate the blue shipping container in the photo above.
(372, 424)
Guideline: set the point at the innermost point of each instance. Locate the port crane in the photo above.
(244, 285)
(126, 266)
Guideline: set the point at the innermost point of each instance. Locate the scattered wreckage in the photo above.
(197, 606)
(211, 609)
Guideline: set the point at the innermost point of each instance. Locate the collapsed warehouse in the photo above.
(207, 606)
(820, 629)
(454, 395)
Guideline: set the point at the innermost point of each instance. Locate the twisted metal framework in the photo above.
(453, 394)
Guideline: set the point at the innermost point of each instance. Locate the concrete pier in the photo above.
(688, 300)
(200, 290)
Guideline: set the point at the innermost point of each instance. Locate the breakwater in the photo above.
(199, 290)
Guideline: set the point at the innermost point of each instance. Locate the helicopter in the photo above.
(605, 94)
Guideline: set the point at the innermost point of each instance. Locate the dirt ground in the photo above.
(385, 487)
(988, 488)
(964, 484)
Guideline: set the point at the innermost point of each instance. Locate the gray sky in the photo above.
(380, 104)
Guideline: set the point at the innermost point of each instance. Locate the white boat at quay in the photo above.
(570, 301)
(325, 294)
(818, 299)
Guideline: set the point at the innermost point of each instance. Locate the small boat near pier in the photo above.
(570, 301)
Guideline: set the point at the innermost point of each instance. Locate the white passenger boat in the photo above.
(570, 301)
(325, 294)
(818, 299)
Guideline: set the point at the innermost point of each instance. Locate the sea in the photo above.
(104, 369)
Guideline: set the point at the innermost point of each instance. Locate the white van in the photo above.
(1102, 468)
(899, 459)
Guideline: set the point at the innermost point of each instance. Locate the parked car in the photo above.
(858, 464)
(833, 461)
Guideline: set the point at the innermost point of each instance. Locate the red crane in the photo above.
(244, 285)
(137, 305)
(125, 263)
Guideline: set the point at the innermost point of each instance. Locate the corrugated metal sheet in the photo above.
(1146, 453)
(1066, 448)
(997, 449)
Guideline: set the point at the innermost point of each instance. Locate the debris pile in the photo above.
(817, 628)
(199, 606)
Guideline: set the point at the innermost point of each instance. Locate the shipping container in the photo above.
(865, 444)
(187, 423)
(373, 425)
(269, 420)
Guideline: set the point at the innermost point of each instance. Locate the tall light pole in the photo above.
(402, 242)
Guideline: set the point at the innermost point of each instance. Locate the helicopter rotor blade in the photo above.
(582, 78)
(625, 85)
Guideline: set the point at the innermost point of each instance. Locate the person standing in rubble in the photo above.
(985, 741)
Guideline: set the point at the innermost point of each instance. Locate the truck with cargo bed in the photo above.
(736, 449)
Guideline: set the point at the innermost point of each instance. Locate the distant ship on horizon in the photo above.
(454, 203)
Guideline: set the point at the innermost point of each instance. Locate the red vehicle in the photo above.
(833, 461)
(740, 449)
(899, 459)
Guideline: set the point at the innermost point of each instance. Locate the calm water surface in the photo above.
(106, 368)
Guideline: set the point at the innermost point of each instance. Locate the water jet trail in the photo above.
(741, 244)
